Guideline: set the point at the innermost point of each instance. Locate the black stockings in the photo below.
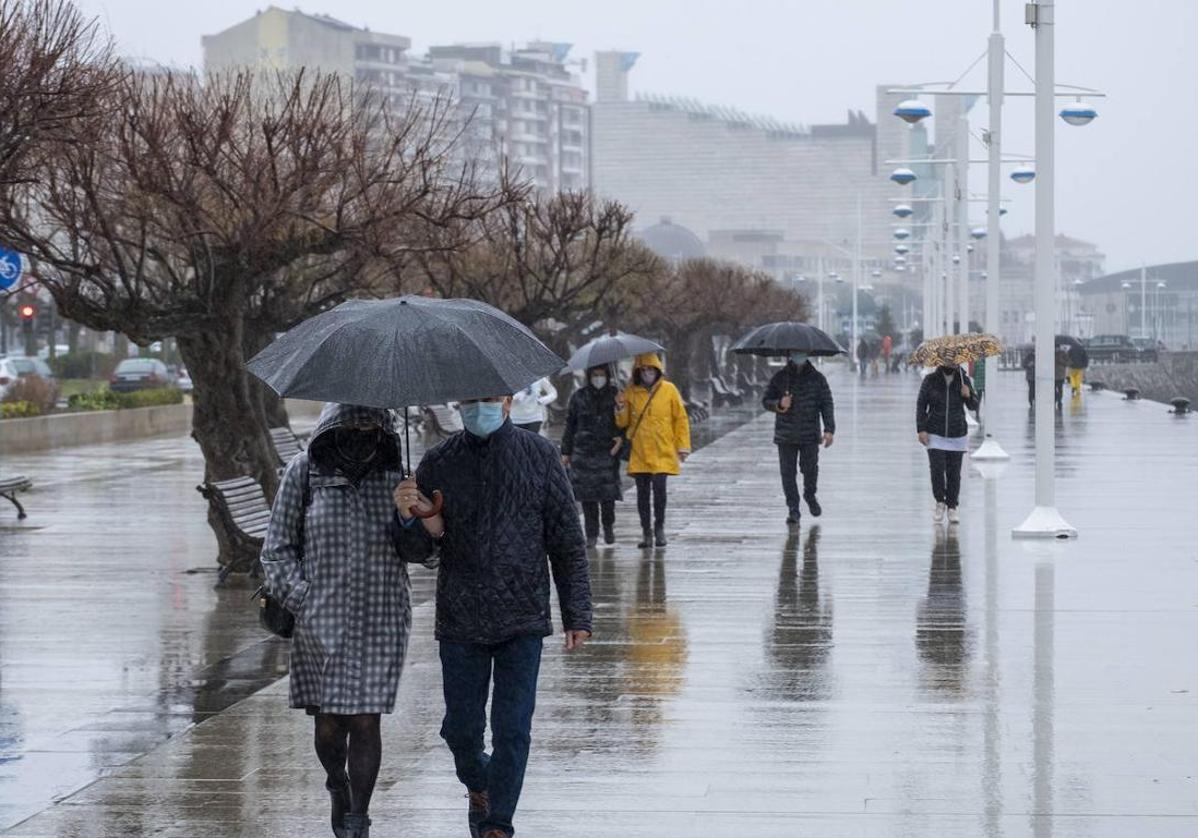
(356, 742)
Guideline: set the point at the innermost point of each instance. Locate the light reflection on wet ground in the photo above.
(872, 676)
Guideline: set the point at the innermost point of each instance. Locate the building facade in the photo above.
(1157, 303)
(526, 105)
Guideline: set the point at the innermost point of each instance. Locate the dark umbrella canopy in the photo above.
(404, 351)
(1067, 340)
(783, 338)
(611, 348)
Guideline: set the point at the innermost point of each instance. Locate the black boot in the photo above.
(339, 795)
(592, 541)
(659, 536)
(609, 534)
(646, 539)
(357, 826)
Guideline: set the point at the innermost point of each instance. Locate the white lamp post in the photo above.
(1045, 521)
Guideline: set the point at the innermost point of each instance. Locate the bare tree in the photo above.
(58, 73)
(221, 212)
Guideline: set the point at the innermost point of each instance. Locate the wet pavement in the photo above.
(869, 675)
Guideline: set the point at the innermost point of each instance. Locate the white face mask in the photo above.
(649, 377)
(598, 381)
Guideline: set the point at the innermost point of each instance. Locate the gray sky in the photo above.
(1122, 181)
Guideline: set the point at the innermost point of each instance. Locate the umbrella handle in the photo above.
(438, 503)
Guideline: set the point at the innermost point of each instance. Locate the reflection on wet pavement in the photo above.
(871, 675)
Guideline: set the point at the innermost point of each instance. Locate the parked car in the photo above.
(16, 367)
(23, 366)
(1113, 349)
(139, 374)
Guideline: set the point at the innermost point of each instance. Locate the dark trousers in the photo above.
(591, 510)
(946, 475)
(534, 427)
(467, 670)
(791, 460)
(651, 486)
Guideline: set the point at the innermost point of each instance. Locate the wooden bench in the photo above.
(9, 486)
(242, 507)
(723, 394)
(1131, 394)
(286, 444)
(1181, 405)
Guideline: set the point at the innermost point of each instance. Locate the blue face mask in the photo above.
(482, 418)
(798, 358)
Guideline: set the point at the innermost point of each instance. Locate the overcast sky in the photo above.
(1123, 181)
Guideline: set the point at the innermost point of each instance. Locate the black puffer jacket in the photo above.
(508, 506)
(588, 439)
(940, 409)
(812, 402)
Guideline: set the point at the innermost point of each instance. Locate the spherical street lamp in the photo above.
(901, 249)
(1001, 212)
(902, 176)
(956, 260)
(902, 233)
(912, 111)
(900, 268)
(902, 211)
(978, 232)
(900, 260)
(1023, 175)
(875, 273)
(1078, 114)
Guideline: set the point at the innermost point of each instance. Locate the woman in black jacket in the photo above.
(942, 428)
(590, 449)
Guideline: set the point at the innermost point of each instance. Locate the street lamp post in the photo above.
(1045, 521)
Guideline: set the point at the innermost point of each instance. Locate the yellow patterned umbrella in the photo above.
(955, 349)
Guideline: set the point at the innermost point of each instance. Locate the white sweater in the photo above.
(528, 405)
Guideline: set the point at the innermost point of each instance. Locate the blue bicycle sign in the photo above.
(10, 268)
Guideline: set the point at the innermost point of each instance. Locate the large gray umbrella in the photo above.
(774, 339)
(610, 348)
(404, 351)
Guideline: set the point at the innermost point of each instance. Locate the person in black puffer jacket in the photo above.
(942, 428)
(800, 396)
(590, 449)
(508, 521)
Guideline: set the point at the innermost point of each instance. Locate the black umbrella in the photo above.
(1067, 340)
(783, 338)
(404, 351)
(609, 348)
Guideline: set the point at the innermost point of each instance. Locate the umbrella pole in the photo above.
(407, 437)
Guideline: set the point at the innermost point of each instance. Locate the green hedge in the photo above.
(107, 400)
(19, 410)
(83, 365)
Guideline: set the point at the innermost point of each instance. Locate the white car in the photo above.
(13, 367)
(183, 380)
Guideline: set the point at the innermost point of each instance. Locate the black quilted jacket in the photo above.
(812, 403)
(508, 507)
(940, 409)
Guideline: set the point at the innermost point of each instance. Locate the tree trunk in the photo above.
(271, 410)
(227, 427)
(73, 330)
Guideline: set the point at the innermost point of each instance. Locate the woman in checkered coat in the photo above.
(330, 558)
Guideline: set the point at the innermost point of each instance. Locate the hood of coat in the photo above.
(650, 359)
(334, 416)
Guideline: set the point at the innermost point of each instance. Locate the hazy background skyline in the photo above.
(1120, 181)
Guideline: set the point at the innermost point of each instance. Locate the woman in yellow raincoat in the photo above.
(654, 420)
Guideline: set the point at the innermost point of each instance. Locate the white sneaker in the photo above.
(953, 516)
(938, 515)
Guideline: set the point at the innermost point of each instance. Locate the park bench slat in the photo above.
(9, 486)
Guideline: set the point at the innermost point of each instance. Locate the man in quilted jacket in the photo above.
(800, 396)
(508, 523)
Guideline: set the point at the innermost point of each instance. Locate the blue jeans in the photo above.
(467, 670)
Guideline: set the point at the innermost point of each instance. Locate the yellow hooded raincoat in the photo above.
(663, 432)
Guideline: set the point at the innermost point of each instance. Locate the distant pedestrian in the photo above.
(654, 420)
(1060, 372)
(590, 449)
(1029, 374)
(887, 348)
(529, 406)
(800, 397)
(863, 356)
(330, 558)
(508, 523)
(940, 422)
(1079, 360)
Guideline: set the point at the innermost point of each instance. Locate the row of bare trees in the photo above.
(222, 210)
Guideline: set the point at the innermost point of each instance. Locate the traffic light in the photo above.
(27, 312)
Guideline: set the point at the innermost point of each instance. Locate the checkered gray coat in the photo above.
(345, 583)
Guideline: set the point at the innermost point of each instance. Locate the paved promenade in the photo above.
(867, 675)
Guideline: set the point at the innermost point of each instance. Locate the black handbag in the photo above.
(626, 445)
(272, 615)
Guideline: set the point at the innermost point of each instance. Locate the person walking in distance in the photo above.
(805, 417)
(654, 420)
(507, 525)
(530, 405)
(590, 450)
(940, 423)
(330, 557)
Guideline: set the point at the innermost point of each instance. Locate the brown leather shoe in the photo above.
(477, 813)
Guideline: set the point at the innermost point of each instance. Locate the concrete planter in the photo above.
(42, 433)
